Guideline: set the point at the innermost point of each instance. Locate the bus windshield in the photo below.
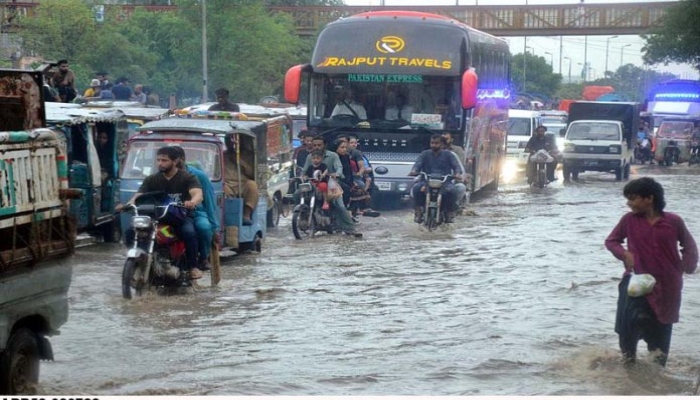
(386, 101)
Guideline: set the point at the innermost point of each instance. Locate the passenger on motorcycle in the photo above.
(319, 172)
(180, 186)
(205, 219)
(437, 160)
(335, 169)
(540, 142)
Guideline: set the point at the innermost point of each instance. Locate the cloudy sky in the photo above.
(573, 46)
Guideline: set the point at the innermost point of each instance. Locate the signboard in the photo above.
(430, 121)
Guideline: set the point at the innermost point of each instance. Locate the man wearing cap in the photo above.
(94, 89)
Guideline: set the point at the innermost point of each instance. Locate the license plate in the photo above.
(384, 186)
(590, 163)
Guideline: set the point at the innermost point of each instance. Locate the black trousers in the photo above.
(635, 320)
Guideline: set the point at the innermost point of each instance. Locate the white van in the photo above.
(521, 126)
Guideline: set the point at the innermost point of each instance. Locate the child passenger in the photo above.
(318, 171)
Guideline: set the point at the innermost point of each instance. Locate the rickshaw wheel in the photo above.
(257, 244)
(273, 214)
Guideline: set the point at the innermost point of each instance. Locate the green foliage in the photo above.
(677, 39)
(539, 76)
(570, 91)
(249, 48)
(301, 3)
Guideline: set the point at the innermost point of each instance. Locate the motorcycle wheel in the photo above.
(130, 267)
(300, 226)
(431, 221)
(541, 178)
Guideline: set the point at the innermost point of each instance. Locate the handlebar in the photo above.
(443, 178)
(151, 208)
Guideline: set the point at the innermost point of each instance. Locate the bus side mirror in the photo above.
(292, 83)
(469, 88)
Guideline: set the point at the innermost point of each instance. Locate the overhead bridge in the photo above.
(514, 20)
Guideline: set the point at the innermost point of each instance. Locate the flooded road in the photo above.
(517, 299)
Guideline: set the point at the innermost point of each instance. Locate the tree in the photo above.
(629, 81)
(303, 3)
(539, 76)
(677, 39)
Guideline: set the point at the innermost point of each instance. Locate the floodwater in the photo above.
(517, 299)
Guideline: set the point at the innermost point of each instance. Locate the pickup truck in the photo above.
(37, 234)
(599, 137)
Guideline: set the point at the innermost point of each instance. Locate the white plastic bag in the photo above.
(541, 156)
(640, 285)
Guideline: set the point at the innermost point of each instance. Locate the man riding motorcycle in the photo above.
(645, 152)
(540, 142)
(437, 160)
(180, 186)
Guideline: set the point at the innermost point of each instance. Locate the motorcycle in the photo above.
(671, 153)
(642, 152)
(537, 168)
(308, 216)
(157, 256)
(694, 153)
(434, 213)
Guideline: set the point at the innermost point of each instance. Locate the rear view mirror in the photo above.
(292, 83)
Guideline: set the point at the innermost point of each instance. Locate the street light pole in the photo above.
(621, 52)
(551, 59)
(607, 48)
(567, 58)
(205, 90)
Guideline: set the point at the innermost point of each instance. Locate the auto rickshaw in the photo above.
(94, 138)
(136, 113)
(673, 139)
(204, 138)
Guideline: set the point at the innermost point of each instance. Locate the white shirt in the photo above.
(342, 109)
(392, 113)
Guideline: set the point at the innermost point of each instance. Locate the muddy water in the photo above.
(517, 299)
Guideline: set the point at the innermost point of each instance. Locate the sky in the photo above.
(573, 46)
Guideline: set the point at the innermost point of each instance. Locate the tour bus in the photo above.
(394, 78)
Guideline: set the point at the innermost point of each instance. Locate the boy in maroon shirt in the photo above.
(652, 236)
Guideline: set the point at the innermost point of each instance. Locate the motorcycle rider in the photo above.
(335, 169)
(205, 219)
(540, 142)
(436, 160)
(180, 186)
(695, 140)
(645, 150)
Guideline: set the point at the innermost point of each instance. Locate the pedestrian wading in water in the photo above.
(652, 238)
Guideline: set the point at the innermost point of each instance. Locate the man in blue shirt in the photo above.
(439, 162)
(206, 222)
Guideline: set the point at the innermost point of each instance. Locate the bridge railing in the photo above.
(526, 20)
(514, 20)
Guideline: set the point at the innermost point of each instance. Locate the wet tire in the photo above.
(541, 179)
(19, 363)
(626, 172)
(257, 244)
(432, 221)
(618, 174)
(300, 225)
(130, 267)
(273, 214)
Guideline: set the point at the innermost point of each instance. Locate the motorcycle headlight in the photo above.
(141, 222)
(435, 183)
(305, 187)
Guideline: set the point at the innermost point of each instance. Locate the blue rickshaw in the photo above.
(203, 140)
